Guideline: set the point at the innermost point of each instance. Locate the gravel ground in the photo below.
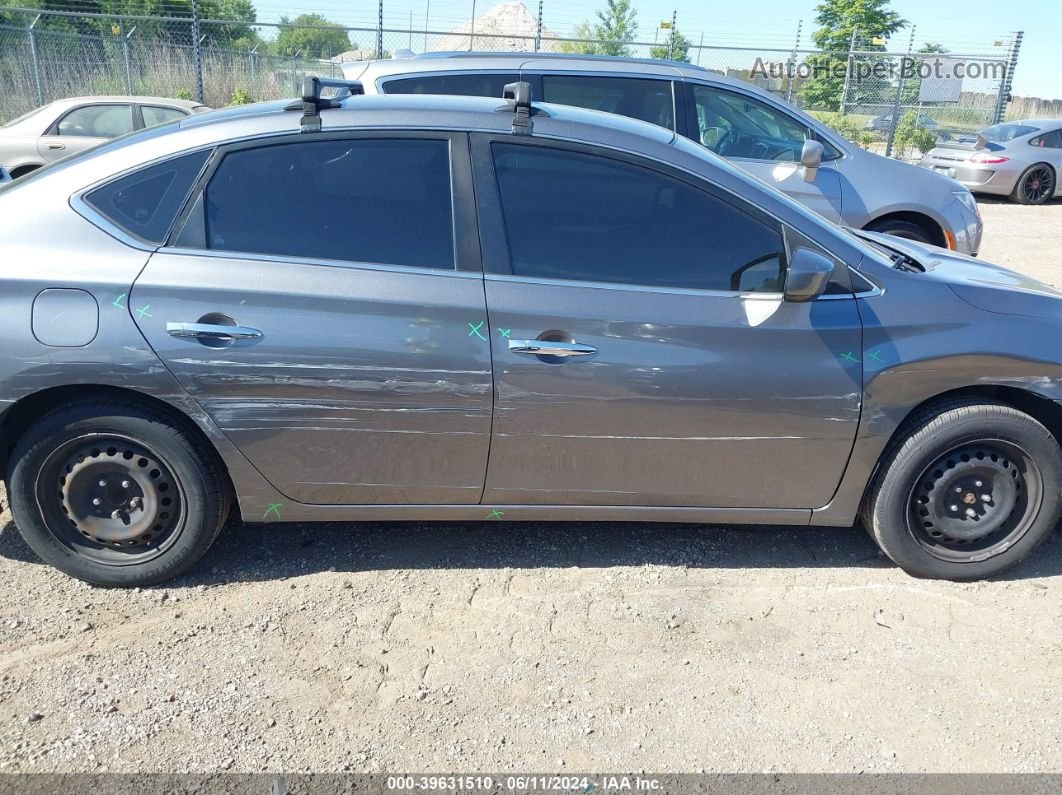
(579, 647)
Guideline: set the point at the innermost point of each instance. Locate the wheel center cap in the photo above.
(969, 498)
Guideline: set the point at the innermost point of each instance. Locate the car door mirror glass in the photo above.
(811, 159)
(808, 275)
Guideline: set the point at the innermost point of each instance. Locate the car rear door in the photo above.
(763, 140)
(84, 127)
(643, 354)
(324, 304)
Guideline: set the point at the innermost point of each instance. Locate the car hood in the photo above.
(989, 287)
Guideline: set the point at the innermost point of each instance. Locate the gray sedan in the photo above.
(1019, 159)
(464, 309)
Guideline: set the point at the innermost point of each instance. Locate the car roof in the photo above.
(457, 61)
(109, 98)
(1037, 122)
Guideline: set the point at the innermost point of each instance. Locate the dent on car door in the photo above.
(764, 141)
(643, 354)
(324, 304)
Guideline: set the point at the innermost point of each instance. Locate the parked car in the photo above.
(413, 308)
(884, 122)
(1020, 159)
(69, 126)
(757, 131)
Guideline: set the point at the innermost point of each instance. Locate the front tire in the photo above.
(908, 230)
(1035, 186)
(116, 493)
(969, 489)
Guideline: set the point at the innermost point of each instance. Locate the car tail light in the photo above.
(984, 158)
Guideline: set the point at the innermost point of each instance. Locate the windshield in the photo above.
(998, 133)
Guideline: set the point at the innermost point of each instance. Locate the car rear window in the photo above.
(469, 85)
(146, 202)
(999, 133)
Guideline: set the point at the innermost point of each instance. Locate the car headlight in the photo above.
(968, 201)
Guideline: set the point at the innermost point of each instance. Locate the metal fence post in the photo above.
(294, 77)
(379, 32)
(700, 49)
(899, 94)
(1008, 79)
(848, 71)
(36, 61)
(792, 63)
(197, 53)
(125, 56)
(538, 28)
(671, 38)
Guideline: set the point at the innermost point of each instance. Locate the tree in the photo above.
(676, 49)
(312, 35)
(867, 20)
(616, 27)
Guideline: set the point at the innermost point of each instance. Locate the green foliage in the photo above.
(616, 27)
(240, 97)
(867, 19)
(909, 134)
(679, 47)
(183, 93)
(311, 35)
(848, 126)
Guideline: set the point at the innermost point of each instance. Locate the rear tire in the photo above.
(908, 230)
(116, 493)
(1035, 186)
(968, 490)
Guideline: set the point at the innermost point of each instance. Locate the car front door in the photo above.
(83, 128)
(764, 141)
(643, 354)
(324, 303)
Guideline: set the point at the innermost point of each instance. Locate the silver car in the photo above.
(768, 138)
(68, 126)
(464, 309)
(1019, 159)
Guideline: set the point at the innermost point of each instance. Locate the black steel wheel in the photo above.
(116, 493)
(967, 489)
(1036, 185)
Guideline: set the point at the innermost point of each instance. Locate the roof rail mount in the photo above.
(519, 96)
(312, 103)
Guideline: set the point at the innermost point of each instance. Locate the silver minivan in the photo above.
(770, 139)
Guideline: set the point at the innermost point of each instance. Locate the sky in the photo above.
(968, 26)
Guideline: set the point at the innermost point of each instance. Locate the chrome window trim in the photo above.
(104, 224)
(324, 263)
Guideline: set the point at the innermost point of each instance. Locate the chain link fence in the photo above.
(896, 104)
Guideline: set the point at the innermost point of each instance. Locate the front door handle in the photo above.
(551, 348)
(212, 332)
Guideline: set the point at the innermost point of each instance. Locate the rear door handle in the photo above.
(57, 146)
(551, 348)
(213, 332)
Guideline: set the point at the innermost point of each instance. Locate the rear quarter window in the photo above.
(146, 202)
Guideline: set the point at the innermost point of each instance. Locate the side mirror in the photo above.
(811, 159)
(809, 273)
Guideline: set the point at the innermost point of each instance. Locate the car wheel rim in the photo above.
(1039, 184)
(975, 501)
(111, 499)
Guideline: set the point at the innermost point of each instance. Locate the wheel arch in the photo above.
(30, 408)
(932, 227)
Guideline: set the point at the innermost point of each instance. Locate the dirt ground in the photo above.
(542, 648)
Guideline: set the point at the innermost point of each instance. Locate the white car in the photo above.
(69, 126)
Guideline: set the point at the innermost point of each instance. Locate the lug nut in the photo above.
(103, 483)
(955, 507)
(971, 512)
(97, 501)
(125, 484)
(978, 483)
(986, 497)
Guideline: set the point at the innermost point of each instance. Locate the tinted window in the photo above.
(648, 100)
(1000, 133)
(570, 215)
(155, 115)
(475, 85)
(735, 125)
(1051, 140)
(97, 121)
(375, 201)
(146, 202)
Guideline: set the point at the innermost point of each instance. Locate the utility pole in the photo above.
(1007, 82)
(197, 52)
(848, 71)
(472, 29)
(538, 28)
(899, 94)
(379, 32)
(427, 10)
(671, 38)
(792, 64)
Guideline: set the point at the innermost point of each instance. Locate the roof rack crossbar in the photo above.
(519, 96)
(312, 103)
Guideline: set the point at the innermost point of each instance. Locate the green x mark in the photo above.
(505, 332)
(848, 357)
(143, 311)
(117, 302)
(876, 356)
(475, 329)
(274, 508)
(496, 514)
